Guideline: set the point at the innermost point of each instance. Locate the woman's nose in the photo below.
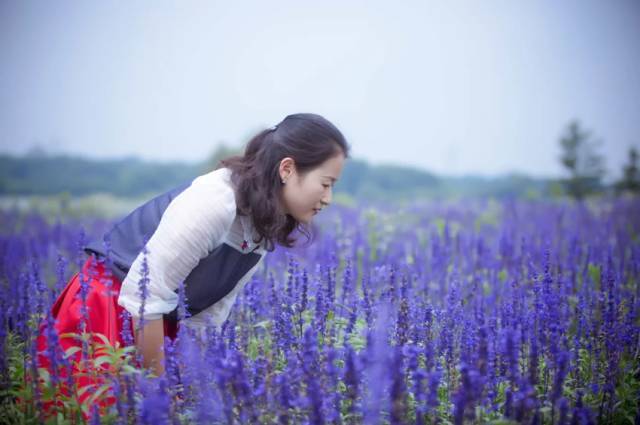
(326, 200)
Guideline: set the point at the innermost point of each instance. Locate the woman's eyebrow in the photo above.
(330, 177)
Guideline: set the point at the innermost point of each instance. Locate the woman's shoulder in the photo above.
(209, 199)
(220, 176)
(217, 184)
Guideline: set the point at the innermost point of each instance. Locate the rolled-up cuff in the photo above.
(154, 309)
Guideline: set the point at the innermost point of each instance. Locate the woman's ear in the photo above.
(286, 168)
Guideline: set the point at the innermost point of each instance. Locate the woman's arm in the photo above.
(150, 343)
(193, 224)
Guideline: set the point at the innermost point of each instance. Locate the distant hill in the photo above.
(44, 174)
(128, 177)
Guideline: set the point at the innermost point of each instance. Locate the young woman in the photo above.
(210, 234)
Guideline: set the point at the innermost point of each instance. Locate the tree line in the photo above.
(39, 173)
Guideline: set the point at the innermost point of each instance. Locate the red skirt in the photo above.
(105, 317)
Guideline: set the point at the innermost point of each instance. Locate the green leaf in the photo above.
(72, 335)
(502, 275)
(71, 351)
(594, 273)
(84, 389)
(129, 370)
(266, 324)
(99, 361)
(45, 375)
(103, 338)
(330, 315)
(358, 342)
(101, 390)
(129, 349)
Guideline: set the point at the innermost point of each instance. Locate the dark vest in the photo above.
(211, 280)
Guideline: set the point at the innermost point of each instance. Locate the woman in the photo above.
(211, 234)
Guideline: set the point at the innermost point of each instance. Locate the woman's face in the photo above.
(305, 195)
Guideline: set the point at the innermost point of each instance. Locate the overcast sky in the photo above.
(452, 87)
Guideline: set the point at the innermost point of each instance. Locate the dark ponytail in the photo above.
(307, 138)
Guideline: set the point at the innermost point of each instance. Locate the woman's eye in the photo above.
(326, 186)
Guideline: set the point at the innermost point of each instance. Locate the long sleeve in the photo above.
(193, 224)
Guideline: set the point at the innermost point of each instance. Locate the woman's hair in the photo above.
(307, 138)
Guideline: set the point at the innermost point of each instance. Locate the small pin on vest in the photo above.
(245, 245)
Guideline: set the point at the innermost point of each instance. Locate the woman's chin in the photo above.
(305, 219)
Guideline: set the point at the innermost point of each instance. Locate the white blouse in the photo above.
(200, 218)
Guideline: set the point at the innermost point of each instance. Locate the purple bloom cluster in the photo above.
(450, 312)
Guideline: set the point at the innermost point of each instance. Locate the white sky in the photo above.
(450, 87)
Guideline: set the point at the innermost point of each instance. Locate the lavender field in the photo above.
(449, 312)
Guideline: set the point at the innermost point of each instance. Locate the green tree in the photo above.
(630, 180)
(584, 165)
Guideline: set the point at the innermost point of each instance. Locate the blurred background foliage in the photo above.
(74, 185)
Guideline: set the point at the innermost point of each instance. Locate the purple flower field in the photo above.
(450, 312)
